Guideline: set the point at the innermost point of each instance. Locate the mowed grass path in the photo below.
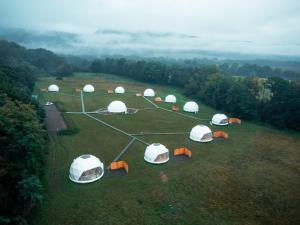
(253, 178)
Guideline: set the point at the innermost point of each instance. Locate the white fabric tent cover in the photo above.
(170, 99)
(156, 153)
(117, 107)
(86, 169)
(53, 88)
(201, 133)
(119, 90)
(88, 88)
(220, 119)
(149, 93)
(191, 107)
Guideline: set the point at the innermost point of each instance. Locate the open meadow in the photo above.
(252, 178)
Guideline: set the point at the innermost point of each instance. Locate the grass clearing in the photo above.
(251, 179)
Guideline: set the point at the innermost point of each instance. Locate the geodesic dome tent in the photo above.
(119, 90)
(156, 153)
(219, 119)
(53, 88)
(149, 93)
(88, 88)
(170, 99)
(191, 107)
(201, 133)
(86, 169)
(117, 107)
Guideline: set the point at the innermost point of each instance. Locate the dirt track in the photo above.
(54, 120)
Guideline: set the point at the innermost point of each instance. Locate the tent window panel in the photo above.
(162, 157)
(91, 174)
(224, 121)
(207, 137)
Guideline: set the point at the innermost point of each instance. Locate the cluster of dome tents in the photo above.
(88, 168)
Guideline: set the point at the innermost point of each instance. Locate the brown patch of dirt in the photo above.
(54, 120)
(164, 178)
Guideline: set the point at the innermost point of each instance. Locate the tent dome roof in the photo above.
(191, 106)
(170, 99)
(149, 92)
(88, 88)
(201, 133)
(119, 90)
(156, 153)
(117, 107)
(219, 119)
(86, 169)
(53, 88)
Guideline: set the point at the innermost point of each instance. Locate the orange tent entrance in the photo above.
(138, 94)
(77, 90)
(221, 134)
(110, 91)
(43, 89)
(158, 99)
(183, 152)
(175, 108)
(234, 120)
(119, 165)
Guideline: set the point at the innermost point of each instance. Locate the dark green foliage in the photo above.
(69, 131)
(272, 100)
(22, 141)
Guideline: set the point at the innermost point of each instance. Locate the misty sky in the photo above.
(256, 26)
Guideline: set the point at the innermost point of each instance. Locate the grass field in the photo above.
(253, 178)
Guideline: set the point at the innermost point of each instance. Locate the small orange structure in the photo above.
(158, 99)
(175, 108)
(234, 120)
(139, 94)
(183, 151)
(119, 165)
(110, 91)
(43, 89)
(221, 134)
(77, 90)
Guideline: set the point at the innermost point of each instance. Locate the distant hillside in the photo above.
(14, 55)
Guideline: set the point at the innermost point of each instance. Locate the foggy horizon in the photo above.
(258, 27)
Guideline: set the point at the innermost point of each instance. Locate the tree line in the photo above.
(271, 100)
(22, 145)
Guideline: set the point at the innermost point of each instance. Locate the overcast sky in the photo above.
(256, 26)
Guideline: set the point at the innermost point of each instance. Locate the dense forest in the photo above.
(272, 100)
(22, 139)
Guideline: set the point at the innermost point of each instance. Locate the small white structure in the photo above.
(191, 107)
(170, 99)
(88, 88)
(86, 169)
(201, 133)
(53, 88)
(117, 107)
(149, 93)
(156, 153)
(220, 119)
(120, 90)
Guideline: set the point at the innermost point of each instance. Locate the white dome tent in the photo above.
(191, 107)
(201, 133)
(170, 99)
(53, 88)
(119, 90)
(156, 153)
(86, 169)
(220, 119)
(117, 107)
(88, 88)
(149, 92)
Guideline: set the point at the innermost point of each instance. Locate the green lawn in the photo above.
(253, 178)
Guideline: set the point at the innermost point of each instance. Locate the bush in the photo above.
(68, 132)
